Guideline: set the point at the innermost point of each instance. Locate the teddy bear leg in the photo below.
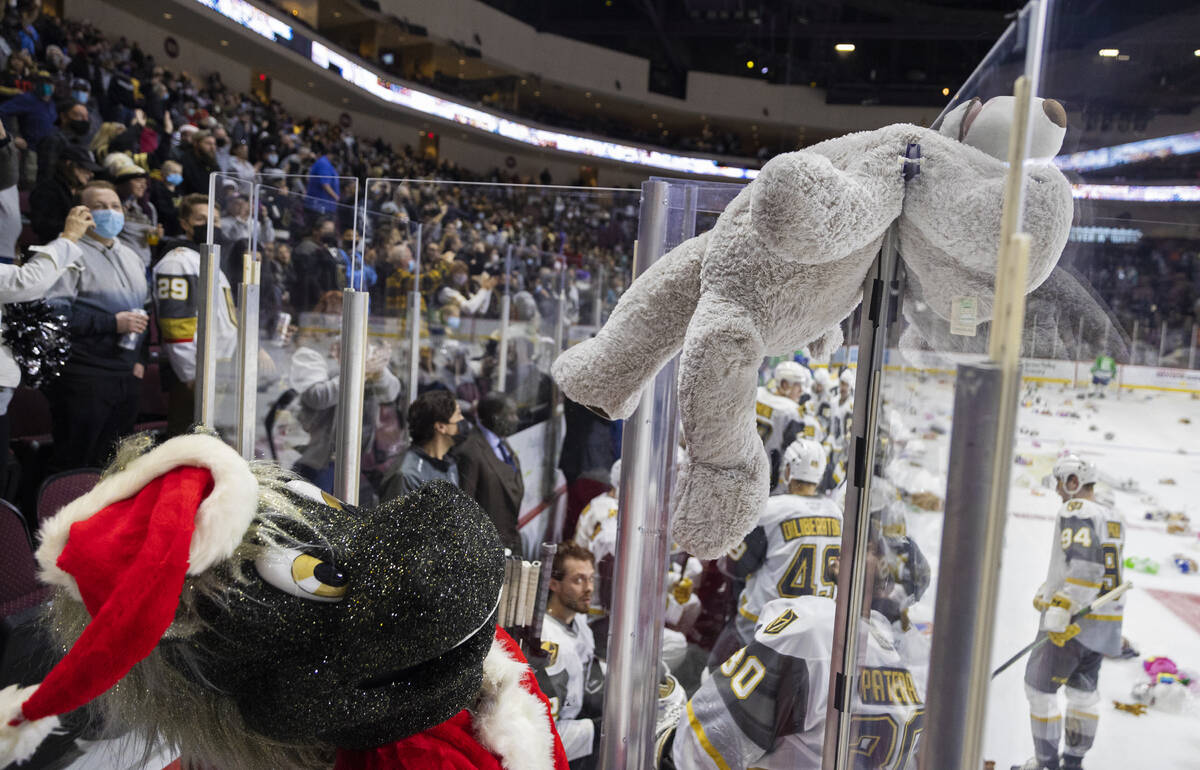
(607, 373)
(723, 488)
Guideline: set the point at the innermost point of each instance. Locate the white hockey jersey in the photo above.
(176, 293)
(765, 706)
(569, 650)
(790, 553)
(1085, 562)
(779, 422)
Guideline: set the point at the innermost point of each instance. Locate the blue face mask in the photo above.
(175, 179)
(453, 322)
(109, 223)
(80, 96)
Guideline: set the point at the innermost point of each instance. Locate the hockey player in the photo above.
(568, 668)
(1103, 372)
(1085, 562)
(793, 551)
(176, 291)
(778, 412)
(765, 706)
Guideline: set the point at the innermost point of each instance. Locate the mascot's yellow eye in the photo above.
(302, 574)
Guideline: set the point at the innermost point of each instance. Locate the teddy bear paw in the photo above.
(715, 507)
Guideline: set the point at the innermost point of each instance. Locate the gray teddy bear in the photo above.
(785, 264)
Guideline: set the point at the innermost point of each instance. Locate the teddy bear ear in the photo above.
(955, 123)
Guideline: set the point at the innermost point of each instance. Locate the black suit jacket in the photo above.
(495, 486)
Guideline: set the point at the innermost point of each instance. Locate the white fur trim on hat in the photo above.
(510, 721)
(221, 520)
(19, 743)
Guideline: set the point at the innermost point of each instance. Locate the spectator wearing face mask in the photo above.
(434, 423)
(29, 118)
(165, 196)
(94, 402)
(489, 470)
(142, 230)
(73, 128)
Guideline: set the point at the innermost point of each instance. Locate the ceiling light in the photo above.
(844, 48)
(295, 12)
(1123, 57)
(764, 70)
(750, 64)
(1196, 52)
(1109, 53)
(945, 92)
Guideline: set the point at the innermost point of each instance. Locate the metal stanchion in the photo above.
(643, 538)
(1133, 343)
(1192, 346)
(247, 363)
(205, 397)
(349, 416)
(505, 304)
(414, 324)
(1162, 343)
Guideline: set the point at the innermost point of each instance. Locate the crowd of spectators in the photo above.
(96, 121)
(1151, 287)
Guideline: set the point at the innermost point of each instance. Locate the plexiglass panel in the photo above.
(1108, 359)
(504, 277)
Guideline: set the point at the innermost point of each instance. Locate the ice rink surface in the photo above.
(1144, 444)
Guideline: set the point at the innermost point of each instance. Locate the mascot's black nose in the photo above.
(1055, 112)
(427, 573)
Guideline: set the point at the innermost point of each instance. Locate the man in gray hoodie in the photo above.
(103, 295)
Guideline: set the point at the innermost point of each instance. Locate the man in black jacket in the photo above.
(489, 470)
(52, 199)
(73, 129)
(317, 269)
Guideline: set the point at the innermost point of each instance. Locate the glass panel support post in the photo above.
(247, 363)
(879, 292)
(349, 415)
(414, 325)
(973, 443)
(505, 309)
(205, 398)
(643, 539)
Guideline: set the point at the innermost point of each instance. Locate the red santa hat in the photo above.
(124, 549)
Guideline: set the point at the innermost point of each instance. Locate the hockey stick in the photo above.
(1096, 604)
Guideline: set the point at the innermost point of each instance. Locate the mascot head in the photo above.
(252, 620)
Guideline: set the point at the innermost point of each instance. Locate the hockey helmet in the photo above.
(1070, 464)
(805, 460)
(790, 371)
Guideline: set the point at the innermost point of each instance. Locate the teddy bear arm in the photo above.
(723, 487)
(805, 207)
(607, 373)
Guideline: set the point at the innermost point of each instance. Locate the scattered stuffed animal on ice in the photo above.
(249, 620)
(785, 264)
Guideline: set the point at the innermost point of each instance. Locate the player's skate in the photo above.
(1033, 764)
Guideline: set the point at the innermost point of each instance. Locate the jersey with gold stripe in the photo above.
(176, 292)
(1085, 562)
(779, 422)
(765, 706)
(791, 552)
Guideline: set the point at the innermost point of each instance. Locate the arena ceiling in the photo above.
(905, 51)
